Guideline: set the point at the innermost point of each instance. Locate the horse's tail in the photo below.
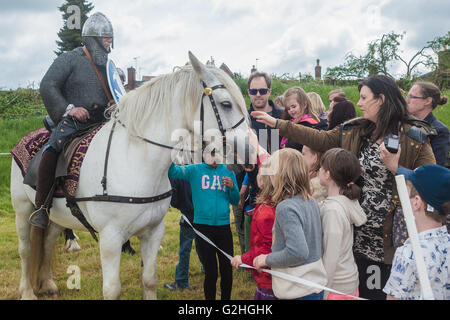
(37, 254)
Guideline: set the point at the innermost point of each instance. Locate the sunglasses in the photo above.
(262, 91)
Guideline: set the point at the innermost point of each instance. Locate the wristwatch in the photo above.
(69, 107)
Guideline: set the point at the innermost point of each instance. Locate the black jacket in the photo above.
(322, 125)
(182, 198)
(276, 113)
(440, 143)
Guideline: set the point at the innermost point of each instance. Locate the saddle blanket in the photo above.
(74, 154)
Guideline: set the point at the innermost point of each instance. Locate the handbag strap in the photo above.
(108, 94)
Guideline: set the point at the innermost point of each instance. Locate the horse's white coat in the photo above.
(135, 169)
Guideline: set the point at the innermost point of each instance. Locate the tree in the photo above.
(381, 54)
(74, 14)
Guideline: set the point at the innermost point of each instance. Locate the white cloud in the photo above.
(285, 36)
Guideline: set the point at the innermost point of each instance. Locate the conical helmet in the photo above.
(97, 25)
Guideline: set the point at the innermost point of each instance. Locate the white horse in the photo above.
(135, 169)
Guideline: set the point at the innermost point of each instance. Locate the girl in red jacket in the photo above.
(260, 237)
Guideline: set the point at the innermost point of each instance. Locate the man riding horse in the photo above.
(75, 96)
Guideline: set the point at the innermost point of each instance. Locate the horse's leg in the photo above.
(45, 278)
(23, 208)
(23, 228)
(150, 241)
(110, 251)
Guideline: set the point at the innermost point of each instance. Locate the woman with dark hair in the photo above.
(422, 99)
(384, 114)
(340, 112)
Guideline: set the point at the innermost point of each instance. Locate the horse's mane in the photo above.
(181, 89)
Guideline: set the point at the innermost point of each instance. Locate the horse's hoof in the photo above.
(49, 288)
(72, 246)
(29, 295)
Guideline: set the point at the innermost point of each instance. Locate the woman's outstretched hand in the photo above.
(263, 117)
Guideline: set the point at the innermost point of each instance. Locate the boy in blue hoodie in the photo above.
(214, 187)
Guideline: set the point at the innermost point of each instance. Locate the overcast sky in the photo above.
(280, 36)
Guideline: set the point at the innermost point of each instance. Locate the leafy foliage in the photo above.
(21, 103)
(382, 53)
(71, 38)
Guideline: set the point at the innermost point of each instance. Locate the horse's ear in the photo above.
(201, 69)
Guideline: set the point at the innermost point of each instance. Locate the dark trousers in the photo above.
(222, 237)
(373, 276)
(68, 126)
(187, 235)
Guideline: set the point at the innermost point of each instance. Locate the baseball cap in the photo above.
(432, 182)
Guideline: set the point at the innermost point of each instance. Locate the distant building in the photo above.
(227, 70)
(132, 82)
(318, 70)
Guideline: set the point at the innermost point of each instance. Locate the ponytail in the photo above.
(345, 169)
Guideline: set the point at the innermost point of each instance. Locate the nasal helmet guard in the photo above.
(98, 25)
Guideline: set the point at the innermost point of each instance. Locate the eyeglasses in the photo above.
(262, 91)
(414, 97)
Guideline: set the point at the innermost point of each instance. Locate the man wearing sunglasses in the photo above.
(259, 90)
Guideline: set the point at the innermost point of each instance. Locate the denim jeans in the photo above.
(187, 234)
(313, 296)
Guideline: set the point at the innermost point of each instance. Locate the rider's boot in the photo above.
(45, 180)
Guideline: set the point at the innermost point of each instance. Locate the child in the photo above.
(298, 109)
(297, 246)
(260, 238)
(339, 169)
(429, 193)
(213, 187)
(312, 159)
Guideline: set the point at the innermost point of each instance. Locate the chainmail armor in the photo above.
(71, 79)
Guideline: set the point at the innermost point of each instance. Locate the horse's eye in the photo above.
(226, 104)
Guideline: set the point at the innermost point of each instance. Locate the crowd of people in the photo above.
(331, 212)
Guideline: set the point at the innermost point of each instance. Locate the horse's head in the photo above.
(222, 113)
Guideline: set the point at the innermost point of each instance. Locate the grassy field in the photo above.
(88, 258)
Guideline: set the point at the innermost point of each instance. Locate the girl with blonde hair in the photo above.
(312, 158)
(317, 105)
(298, 109)
(297, 246)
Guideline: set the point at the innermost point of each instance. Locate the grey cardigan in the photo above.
(298, 234)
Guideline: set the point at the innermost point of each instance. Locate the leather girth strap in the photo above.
(76, 211)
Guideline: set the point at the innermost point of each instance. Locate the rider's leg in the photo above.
(47, 167)
(45, 180)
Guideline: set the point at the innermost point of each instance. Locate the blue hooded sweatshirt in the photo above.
(211, 199)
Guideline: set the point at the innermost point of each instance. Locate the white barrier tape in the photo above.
(5, 154)
(272, 272)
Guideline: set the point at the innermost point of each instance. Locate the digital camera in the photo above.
(392, 142)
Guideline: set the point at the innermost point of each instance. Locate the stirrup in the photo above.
(40, 217)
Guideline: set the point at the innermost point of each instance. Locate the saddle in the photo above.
(28, 153)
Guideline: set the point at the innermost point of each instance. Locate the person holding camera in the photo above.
(384, 115)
